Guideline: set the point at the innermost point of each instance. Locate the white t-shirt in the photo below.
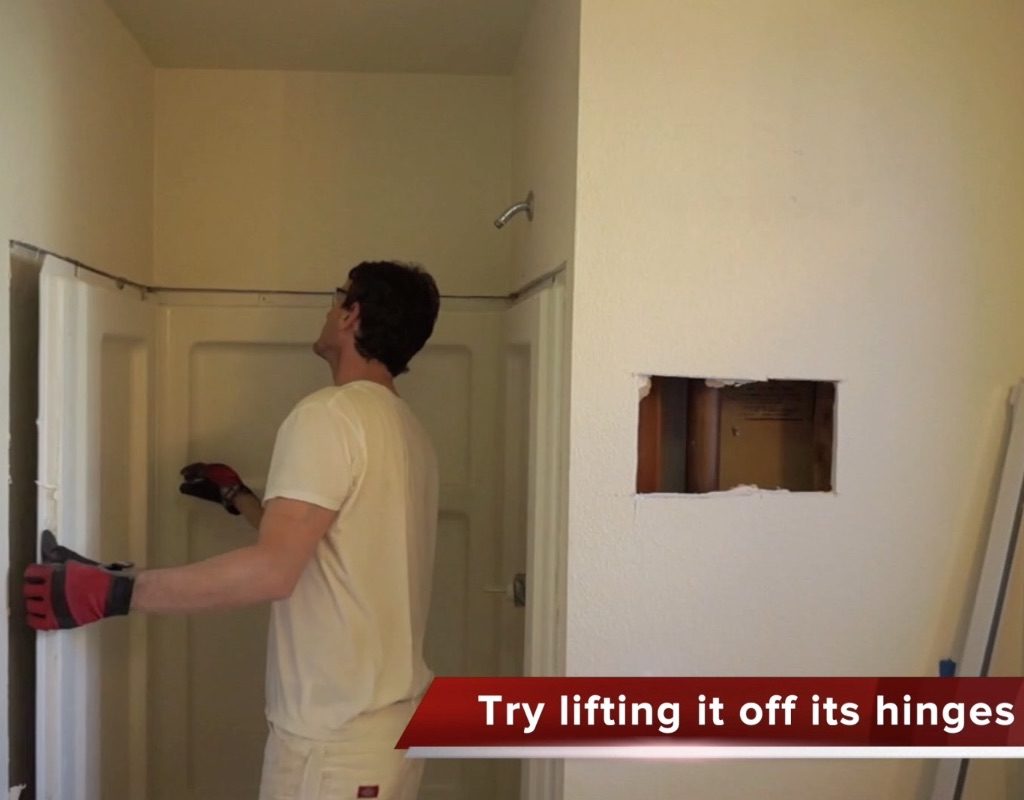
(350, 638)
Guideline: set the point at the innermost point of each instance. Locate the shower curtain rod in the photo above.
(120, 282)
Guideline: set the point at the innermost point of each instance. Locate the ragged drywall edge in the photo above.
(736, 491)
(643, 382)
(15, 792)
(744, 490)
(721, 383)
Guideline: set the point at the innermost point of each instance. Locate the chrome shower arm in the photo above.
(526, 205)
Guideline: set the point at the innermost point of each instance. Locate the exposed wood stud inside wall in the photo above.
(649, 452)
(703, 442)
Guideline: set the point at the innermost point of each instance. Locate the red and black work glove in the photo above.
(68, 590)
(215, 482)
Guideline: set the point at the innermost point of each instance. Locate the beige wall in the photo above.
(545, 102)
(802, 190)
(76, 131)
(284, 180)
(77, 128)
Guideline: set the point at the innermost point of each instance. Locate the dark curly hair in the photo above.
(398, 305)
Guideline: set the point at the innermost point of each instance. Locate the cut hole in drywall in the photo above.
(699, 435)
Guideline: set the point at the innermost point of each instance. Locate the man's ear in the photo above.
(350, 316)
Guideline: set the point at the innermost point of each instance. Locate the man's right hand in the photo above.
(217, 483)
(67, 589)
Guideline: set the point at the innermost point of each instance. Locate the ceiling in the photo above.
(468, 37)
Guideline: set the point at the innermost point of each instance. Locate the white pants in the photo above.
(360, 763)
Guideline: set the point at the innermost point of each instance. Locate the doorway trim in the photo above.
(538, 321)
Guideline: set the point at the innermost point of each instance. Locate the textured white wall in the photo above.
(794, 190)
(284, 180)
(545, 103)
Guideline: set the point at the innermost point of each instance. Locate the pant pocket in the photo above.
(383, 775)
(285, 770)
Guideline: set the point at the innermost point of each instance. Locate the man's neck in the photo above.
(361, 369)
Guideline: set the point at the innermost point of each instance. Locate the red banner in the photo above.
(753, 712)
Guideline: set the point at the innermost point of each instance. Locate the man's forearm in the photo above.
(250, 507)
(290, 532)
(241, 577)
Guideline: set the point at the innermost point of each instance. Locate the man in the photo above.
(345, 551)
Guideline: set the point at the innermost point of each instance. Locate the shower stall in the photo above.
(135, 381)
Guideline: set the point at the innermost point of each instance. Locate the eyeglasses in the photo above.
(340, 297)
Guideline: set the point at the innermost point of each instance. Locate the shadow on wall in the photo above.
(24, 392)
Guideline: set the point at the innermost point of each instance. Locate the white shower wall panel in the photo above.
(95, 429)
(228, 376)
(124, 431)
